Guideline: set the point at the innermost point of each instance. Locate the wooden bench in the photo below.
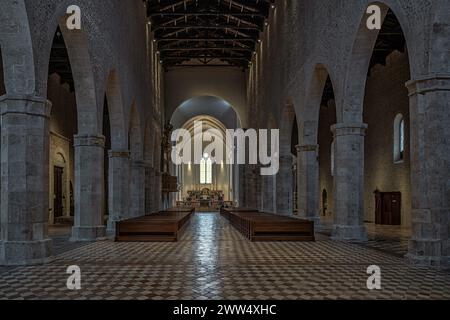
(260, 226)
(163, 226)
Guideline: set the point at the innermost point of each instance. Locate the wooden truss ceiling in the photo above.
(390, 38)
(207, 32)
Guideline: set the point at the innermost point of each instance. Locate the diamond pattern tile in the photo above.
(213, 261)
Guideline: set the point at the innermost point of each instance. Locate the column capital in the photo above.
(349, 129)
(25, 104)
(87, 140)
(307, 148)
(119, 154)
(140, 164)
(428, 83)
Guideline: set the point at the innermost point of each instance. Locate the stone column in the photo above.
(24, 180)
(308, 182)
(430, 171)
(119, 175)
(157, 195)
(349, 182)
(149, 189)
(89, 188)
(285, 186)
(137, 188)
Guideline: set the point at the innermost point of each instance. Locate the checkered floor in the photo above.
(213, 261)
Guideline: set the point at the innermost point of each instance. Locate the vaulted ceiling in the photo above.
(207, 32)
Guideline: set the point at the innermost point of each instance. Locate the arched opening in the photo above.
(387, 186)
(207, 183)
(63, 127)
(327, 118)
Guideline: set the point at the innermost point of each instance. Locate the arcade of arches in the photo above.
(364, 118)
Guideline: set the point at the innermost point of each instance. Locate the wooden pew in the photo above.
(260, 226)
(163, 226)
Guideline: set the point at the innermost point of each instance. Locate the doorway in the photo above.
(388, 208)
(58, 204)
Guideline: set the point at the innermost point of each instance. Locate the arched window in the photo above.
(399, 138)
(206, 170)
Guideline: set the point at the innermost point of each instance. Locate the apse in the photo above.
(209, 184)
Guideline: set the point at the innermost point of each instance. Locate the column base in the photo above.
(111, 226)
(20, 253)
(428, 253)
(349, 233)
(87, 234)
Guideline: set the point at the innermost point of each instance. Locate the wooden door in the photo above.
(395, 207)
(58, 206)
(388, 208)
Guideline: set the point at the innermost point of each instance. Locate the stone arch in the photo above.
(78, 49)
(320, 89)
(384, 168)
(201, 105)
(360, 59)
(308, 124)
(116, 112)
(17, 48)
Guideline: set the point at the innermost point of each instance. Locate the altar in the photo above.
(205, 200)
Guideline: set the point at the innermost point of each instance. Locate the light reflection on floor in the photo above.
(213, 261)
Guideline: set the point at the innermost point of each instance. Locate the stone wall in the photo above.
(325, 138)
(386, 97)
(305, 40)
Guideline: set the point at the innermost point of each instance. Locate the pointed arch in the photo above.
(17, 48)
(115, 110)
(321, 87)
(360, 60)
(79, 53)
